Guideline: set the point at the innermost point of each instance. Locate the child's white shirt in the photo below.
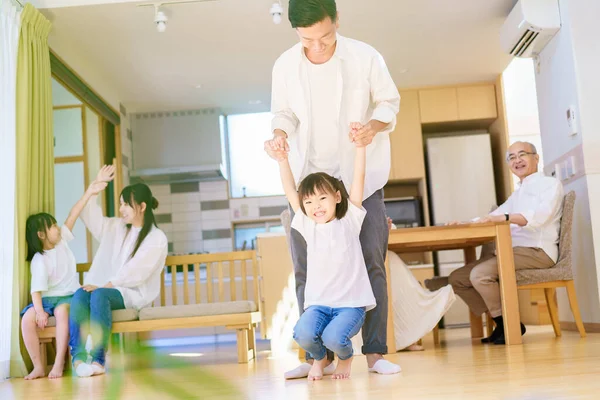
(137, 278)
(336, 272)
(54, 273)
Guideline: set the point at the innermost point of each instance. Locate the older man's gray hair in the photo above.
(533, 150)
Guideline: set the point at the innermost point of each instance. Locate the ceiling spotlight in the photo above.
(160, 19)
(276, 12)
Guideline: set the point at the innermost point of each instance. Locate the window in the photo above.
(252, 172)
(521, 105)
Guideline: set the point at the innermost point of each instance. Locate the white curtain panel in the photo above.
(10, 20)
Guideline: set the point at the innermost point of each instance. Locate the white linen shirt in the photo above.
(365, 91)
(137, 278)
(539, 199)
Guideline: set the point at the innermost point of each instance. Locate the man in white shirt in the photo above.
(534, 211)
(320, 86)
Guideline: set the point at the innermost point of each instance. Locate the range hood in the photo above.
(180, 174)
(178, 146)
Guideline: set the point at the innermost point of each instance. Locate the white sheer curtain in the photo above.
(10, 20)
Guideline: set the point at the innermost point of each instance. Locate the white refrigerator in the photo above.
(461, 187)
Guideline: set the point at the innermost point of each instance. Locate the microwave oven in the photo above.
(405, 212)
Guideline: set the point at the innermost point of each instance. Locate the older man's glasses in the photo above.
(518, 156)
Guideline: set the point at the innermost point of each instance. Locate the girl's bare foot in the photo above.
(342, 370)
(316, 371)
(57, 370)
(38, 372)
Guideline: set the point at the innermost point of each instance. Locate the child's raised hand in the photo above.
(277, 148)
(354, 128)
(96, 187)
(41, 319)
(106, 173)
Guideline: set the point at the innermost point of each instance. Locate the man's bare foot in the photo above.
(372, 359)
(342, 371)
(38, 372)
(57, 370)
(316, 371)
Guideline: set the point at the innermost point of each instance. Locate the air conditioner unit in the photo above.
(529, 27)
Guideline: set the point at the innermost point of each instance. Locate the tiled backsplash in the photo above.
(194, 216)
(197, 216)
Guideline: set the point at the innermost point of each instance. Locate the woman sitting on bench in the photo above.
(125, 272)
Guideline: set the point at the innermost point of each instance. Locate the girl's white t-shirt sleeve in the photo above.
(66, 234)
(300, 222)
(355, 217)
(39, 274)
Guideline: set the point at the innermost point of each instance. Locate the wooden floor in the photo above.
(544, 367)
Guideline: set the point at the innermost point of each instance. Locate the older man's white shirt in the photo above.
(364, 90)
(539, 199)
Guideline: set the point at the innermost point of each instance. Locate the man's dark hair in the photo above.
(305, 13)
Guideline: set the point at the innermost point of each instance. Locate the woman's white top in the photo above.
(137, 277)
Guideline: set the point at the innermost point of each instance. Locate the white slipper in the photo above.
(302, 371)
(84, 370)
(384, 367)
(98, 370)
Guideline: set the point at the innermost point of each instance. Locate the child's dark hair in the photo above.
(305, 13)
(321, 182)
(136, 195)
(37, 223)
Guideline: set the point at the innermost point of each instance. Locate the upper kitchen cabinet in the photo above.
(463, 103)
(476, 102)
(407, 140)
(438, 105)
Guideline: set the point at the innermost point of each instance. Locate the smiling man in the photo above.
(321, 86)
(534, 211)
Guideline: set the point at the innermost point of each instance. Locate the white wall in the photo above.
(566, 78)
(79, 62)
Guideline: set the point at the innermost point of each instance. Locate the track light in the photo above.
(276, 12)
(160, 19)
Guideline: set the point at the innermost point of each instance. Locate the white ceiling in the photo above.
(229, 46)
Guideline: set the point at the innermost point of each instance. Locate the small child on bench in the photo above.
(54, 279)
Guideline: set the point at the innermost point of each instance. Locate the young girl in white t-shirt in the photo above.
(54, 279)
(338, 291)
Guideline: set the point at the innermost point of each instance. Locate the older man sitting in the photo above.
(534, 211)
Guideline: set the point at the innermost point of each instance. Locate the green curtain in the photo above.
(35, 157)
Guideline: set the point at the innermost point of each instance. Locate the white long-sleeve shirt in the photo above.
(365, 91)
(137, 277)
(539, 199)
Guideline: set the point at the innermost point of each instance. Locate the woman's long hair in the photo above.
(135, 195)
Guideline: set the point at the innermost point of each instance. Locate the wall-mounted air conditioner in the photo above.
(529, 27)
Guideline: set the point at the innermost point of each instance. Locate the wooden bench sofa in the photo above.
(224, 292)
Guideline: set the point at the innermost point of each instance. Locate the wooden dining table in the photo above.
(466, 237)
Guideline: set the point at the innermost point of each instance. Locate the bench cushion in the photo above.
(128, 314)
(197, 310)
